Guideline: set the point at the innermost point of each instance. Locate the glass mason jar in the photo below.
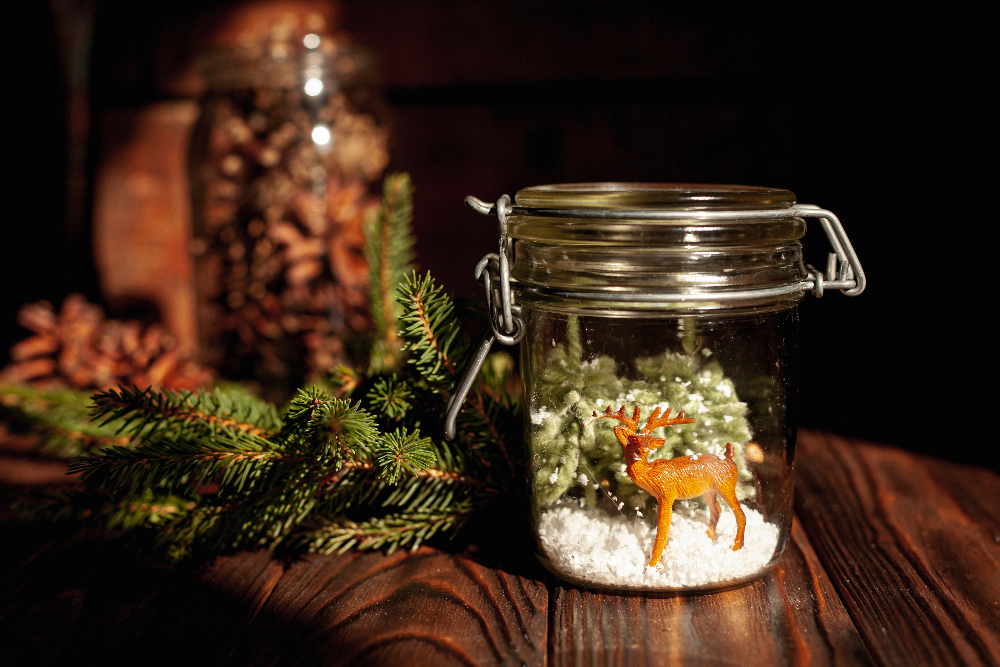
(288, 141)
(659, 357)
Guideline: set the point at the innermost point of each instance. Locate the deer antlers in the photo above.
(654, 421)
(633, 423)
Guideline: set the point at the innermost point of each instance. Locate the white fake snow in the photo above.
(538, 417)
(592, 546)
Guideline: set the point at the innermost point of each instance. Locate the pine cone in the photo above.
(78, 348)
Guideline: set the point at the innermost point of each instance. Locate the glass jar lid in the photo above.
(693, 246)
(655, 214)
(652, 196)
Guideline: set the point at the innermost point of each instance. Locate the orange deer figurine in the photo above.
(680, 477)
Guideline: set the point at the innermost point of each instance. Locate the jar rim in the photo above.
(652, 196)
(342, 63)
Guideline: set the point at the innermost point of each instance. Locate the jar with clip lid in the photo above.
(288, 142)
(658, 330)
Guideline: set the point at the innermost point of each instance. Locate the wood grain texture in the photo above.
(790, 617)
(896, 561)
(911, 545)
(408, 608)
(85, 600)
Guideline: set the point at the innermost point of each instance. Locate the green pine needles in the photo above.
(58, 418)
(234, 474)
(401, 452)
(390, 255)
(357, 461)
(430, 326)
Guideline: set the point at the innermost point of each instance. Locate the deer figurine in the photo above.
(680, 477)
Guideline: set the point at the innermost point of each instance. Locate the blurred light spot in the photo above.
(311, 41)
(314, 87)
(279, 53)
(321, 135)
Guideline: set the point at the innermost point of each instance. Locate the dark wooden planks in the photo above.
(792, 616)
(86, 599)
(911, 545)
(408, 608)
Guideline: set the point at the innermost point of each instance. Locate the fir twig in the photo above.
(394, 530)
(145, 413)
(180, 463)
(390, 396)
(58, 418)
(327, 427)
(221, 469)
(389, 252)
(430, 329)
(402, 451)
(343, 380)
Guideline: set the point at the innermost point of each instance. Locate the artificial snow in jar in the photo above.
(659, 337)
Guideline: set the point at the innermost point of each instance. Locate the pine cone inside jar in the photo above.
(78, 348)
(279, 241)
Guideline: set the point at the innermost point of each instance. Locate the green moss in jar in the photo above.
(567, 458)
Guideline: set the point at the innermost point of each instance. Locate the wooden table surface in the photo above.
(894, 560)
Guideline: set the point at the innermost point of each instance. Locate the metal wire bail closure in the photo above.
(843, 269)
(493, 271)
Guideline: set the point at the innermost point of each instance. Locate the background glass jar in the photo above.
(637, 303)
(288, 142)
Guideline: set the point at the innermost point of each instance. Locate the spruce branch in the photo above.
(327, 427)
(149, 413)
(401, 451)
(394, 530)
(361, 488)
(255, 491)
(219, 470)
(358, 474)
(146, 509)
(431, 330)
(389, 252)
(257, 520)
(100, 509)
(58, 418)
(437, 349)
(242, 463)
(389, 397)
(482, 425)
(343, 380)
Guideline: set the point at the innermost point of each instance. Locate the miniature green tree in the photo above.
(565, 454)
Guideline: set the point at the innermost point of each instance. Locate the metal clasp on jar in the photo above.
(506, 325)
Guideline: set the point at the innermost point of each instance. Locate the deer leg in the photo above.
(666, 511)
(741, 520)
(713, 512)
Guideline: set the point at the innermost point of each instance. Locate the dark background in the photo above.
(873, 116)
